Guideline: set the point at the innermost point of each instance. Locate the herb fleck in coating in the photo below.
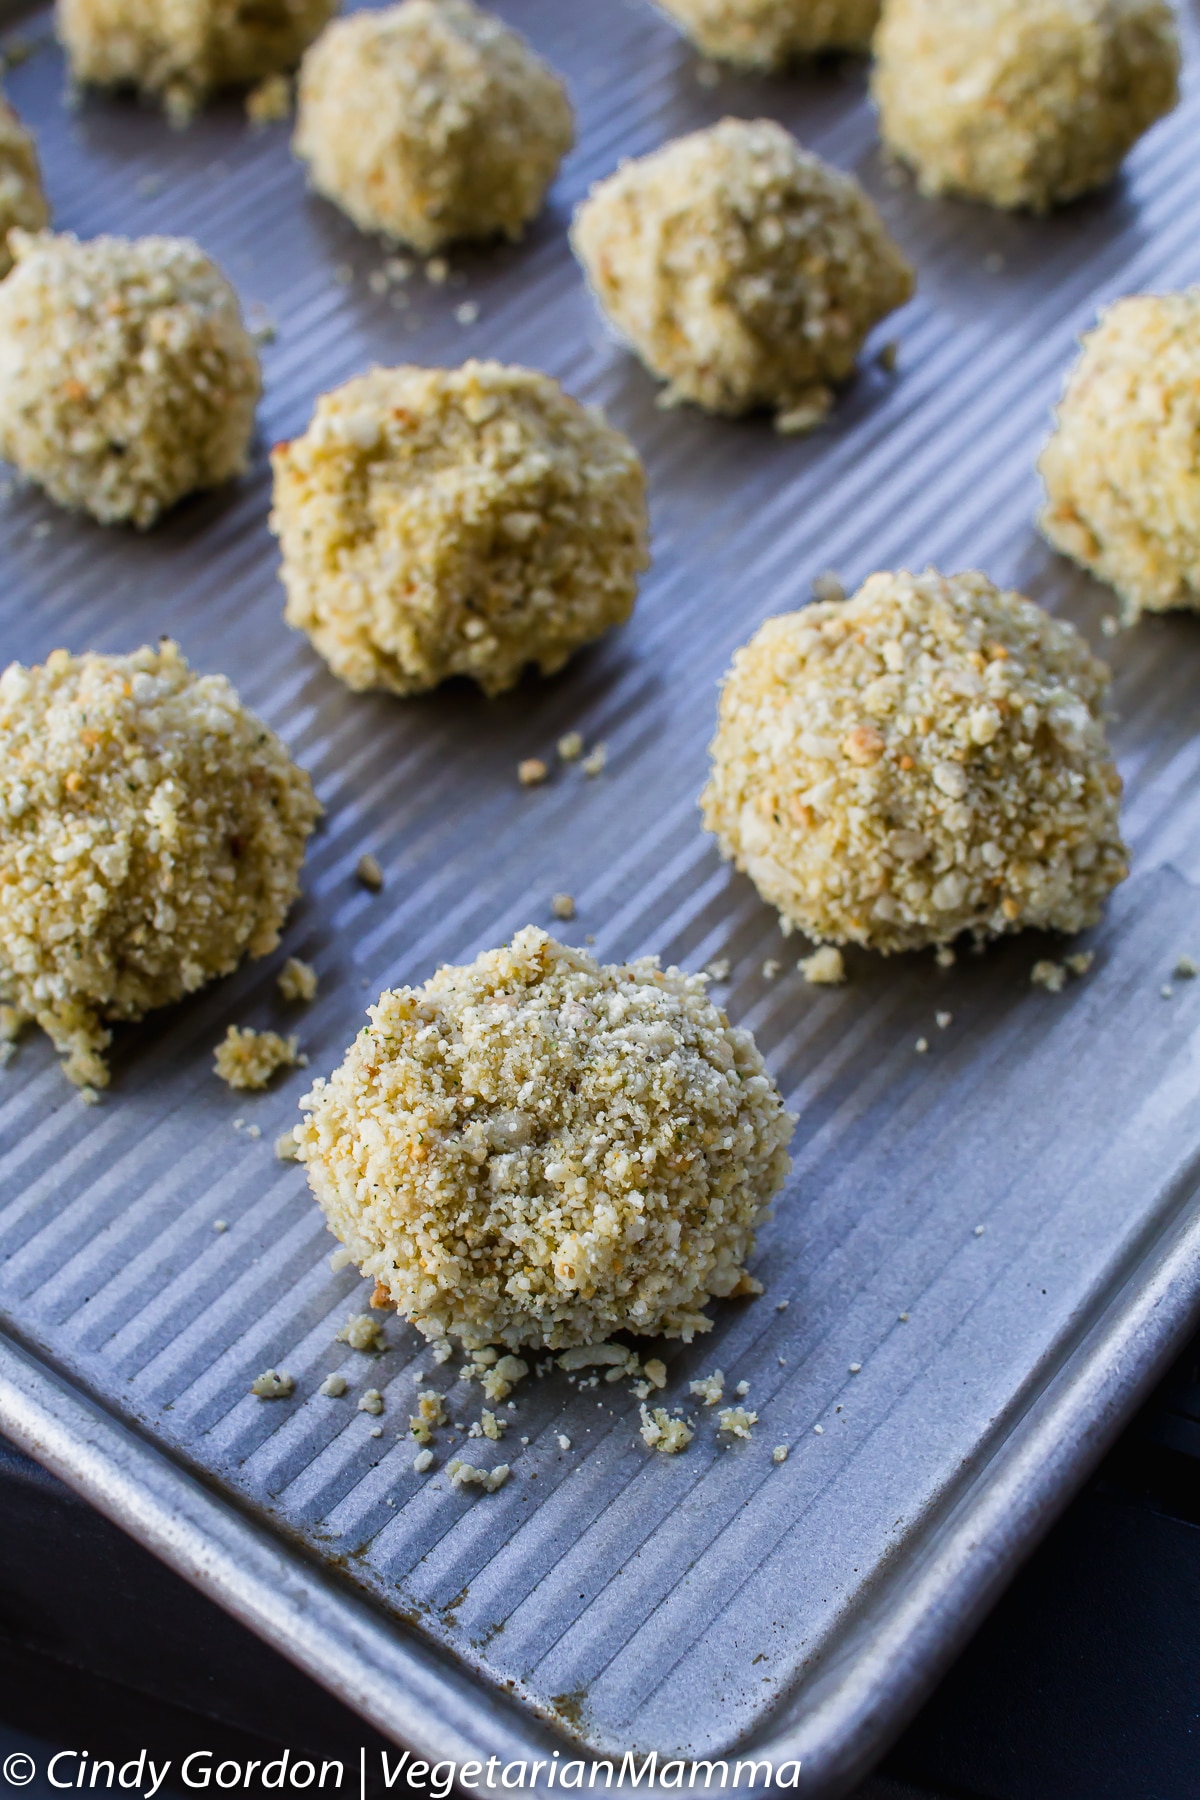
(151, 835)
(22, 201)
(1121, 474)
(181, 50)
(431, 121)
(1022, 103)
(439, 522)
(925, 759)
(765, 34)
(538, 1149)
(127, 378)
(742, 269)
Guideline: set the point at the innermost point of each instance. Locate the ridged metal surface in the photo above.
(694, 1603)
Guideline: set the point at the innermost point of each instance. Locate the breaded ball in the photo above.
(741, 268)
(539, 1149)
(22, 201)
(766, 34)
(924, 759)
(151, 834)
(439, 522)
(1121, 471)
(431, 121)
(182, 50)
(127, 378)
(1021, 103)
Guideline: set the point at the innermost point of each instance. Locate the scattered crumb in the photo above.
(596, 760)
(362, 1332)
(1110, 625)
(820, 1430)
(828, 586)
(979, 1230)
(709, 1388)
(443, 1350)
(903, 1318)
(340, 1259)
(430, 1413)
(921, 1046)
(437, 270)
(220, 1225)
(273, 1384)
(771, 968)
(423, 1460)
(943, 1020)
(251, 1131)
(944, 957)
(655, 1372)
(270, 101)
(492, 1427)
(333, 1386)
(718, 968)
(826, 967)
(889, 356)
(1186, 968)
(463, 1474)
(659, 1431)
(368, 872)
(1049, 975)
(782, 1305)
(499, 1379)
(371, 1401)
(297, 980)
(570, 746)
(591, 1356)
(1081, 962)
(286, 1146)
(467, 312)
(736, 1421)
(779, 1454)
(856, 1368)
(563, 906)
(532, 772)
(248, 1059)
(742, 1389)
(375, 1431)
(1166, 990)
(564, 1442)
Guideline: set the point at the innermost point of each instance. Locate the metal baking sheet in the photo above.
(607, 1597)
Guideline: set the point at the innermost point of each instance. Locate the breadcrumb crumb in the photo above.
(371, 1401)
(563, 906)
(659, 1431)
(736, 1421)
(1049, 975)
(270, 101)
(465, 1474)
(709, 1388)
(273, 1384)
(422, 1461)
(246, 1058)
(362, 1332)
(286, 1147)
(297, 981)
(532, 771)
(570, 746)
(368, 873)
(780, 1453)
(596, 760)
(333, 1386)
(826, 967)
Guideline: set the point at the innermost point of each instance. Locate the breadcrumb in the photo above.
(125, 784)
(736, 1421)
(742, 269)
(563, 906)
(444, 522)
(596, 760)
(779, 1454)
(532, 772)
(570, 746)
(1122, 486)
(766, 34)
(270, 101)
(362, 1332)
(297, 981)
(285, 1146)
(1186, 968)
(333, 1386)
(246, 1058)
(464, 1474)
(431, 121)
(826, 967)
(584, 1148)
(925, 759)
(368, 873)
(1049, 975)
(659, 1431)
(273, 1384)
(709, 1388)
(422, 1461)
(127, 378)
(1021, 103)
(371, 1401)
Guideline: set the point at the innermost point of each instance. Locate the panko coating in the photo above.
(766, 34)
(470, 521)
(127, 378)
(1121, 472)
(924, 759)
(742, 269)
(431, 121)
(183, 50)
(539, 1149)
(151, 835)
(22, 200)
(1021, 103)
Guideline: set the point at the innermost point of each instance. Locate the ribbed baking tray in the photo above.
(607, 1596)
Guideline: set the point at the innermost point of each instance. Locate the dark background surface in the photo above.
(1084, 1684)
